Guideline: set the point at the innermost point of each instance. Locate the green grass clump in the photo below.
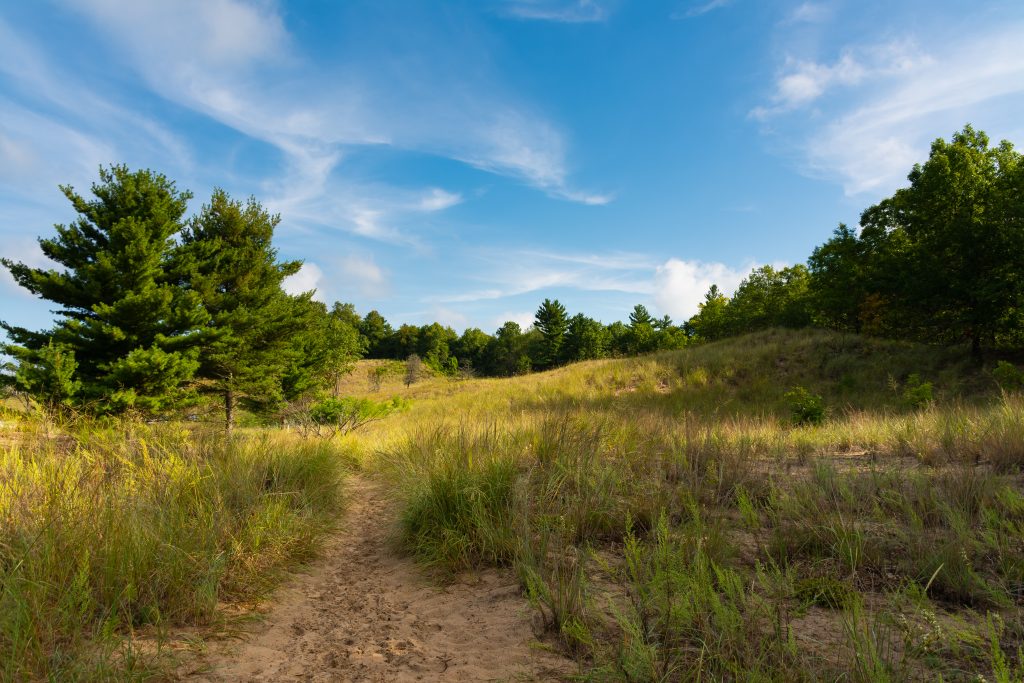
(460, 513)
(824, 591)
(689, 618)
(112, 528)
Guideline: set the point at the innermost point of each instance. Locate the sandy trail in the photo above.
(363, 613)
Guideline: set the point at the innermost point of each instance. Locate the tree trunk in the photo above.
(229, 411)
(976, 348)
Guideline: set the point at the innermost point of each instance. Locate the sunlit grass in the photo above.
(604, 471)
(106, 529)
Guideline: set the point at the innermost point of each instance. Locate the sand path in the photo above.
(364, 613)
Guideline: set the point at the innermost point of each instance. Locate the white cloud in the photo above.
(523, 318)
(363, 274)
(309, 278)
(897, 100)
(802, 82)
(680, 286)
(438, 200)
(566, 11)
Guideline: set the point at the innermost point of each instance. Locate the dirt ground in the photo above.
(364, 613)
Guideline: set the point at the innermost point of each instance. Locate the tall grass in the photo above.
(670, 522)
(112, 528)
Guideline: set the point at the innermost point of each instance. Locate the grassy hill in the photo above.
(670, 520)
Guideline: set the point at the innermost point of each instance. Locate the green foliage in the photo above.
(711, 322)
(508, 353)
(771, 298)
(939, 261)
(155, 381)
(434, 347)
(836, 270)
(226, 257)
(114, 296)
(330, 416)
(551, 321)
(805, 407)
(48, 374)
(377, 332)
(585, 339)
(471, 349)
(1008, 376)
(917, 394)
(689, 618)
(960, 220)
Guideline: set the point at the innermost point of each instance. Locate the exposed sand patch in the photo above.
(363, 613)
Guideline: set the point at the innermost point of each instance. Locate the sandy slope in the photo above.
(365, 614)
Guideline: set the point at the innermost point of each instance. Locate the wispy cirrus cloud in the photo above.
(54, 128)
(700, 8)
(437, 199)
(377, 212)
(511, 273)
(810, 13)
(564, 11)
(865, 118)
(237, 63)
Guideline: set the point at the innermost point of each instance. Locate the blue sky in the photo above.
(461, 161)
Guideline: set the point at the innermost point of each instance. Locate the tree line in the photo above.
(940, 261)
(156, 310)
(555, 338)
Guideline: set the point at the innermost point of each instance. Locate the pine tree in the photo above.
(641, 330)
(133, 333)
(551, 321)
(227, 259)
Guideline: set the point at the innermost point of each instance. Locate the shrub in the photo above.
(917, 394)
(331, 416)
(1008, 376)
(806, 408)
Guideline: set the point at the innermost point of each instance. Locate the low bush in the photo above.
(805, 407)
